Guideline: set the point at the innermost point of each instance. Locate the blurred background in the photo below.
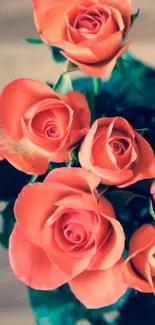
(19, 59)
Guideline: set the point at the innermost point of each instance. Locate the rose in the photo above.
(66, 233)
(90, 32)
(118, 154)
(139, 268)
(39, 125)
(152, 191)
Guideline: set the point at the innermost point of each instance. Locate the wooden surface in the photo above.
(18, 59)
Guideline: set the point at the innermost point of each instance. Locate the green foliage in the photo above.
(8, 221)
(55, 52)
(34, 41)
(135, 16)
(64, 84)
(54, 307)
(120, 199)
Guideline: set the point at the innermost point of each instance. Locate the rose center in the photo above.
(51, 129)
(89, 22)
(119, 147)
(74, 233)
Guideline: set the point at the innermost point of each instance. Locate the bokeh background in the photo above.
(19, 59)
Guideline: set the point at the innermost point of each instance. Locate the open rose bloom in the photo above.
(139, 268)
(71, 238)
(116, 153)
(39, 125)
(90, 32)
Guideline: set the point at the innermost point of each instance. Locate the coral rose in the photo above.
(90, 32)
(114, 151)
(139, 268)
(65, 234)
(152, 191)
(39, 125)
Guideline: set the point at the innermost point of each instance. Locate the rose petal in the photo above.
(135, 281)
(86, 202)
(30, 162)
(152, 189)
(16, 98)
(141, 240)
(112, 249)
(81, 109)
(86, 147)
(96, 289)
(80, 52)
(75, 177)
(23, 155)
(145, 167)
(109, 177)
(71, 266)
(99, 70)
(35, 204)
(141, 265)
(31, 265)
(124, 6)
(107, 48)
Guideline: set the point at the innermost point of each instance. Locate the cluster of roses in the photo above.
(66, 229)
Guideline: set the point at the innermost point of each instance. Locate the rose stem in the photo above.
(33, 178)
(97, 85)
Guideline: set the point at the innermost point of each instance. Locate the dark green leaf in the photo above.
(120, 199)
(64, 84)
(71, 67)
(35, 41)
(8, 221)
(53, 307)
(56, 54)
(151, 209)
(134, 17)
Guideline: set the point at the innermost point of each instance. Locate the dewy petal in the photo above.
(31, 264)
(35, 204)
(15, 99)
(96, 289)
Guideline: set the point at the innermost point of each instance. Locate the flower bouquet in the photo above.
(81, 232)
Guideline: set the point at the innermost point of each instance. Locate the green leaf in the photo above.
(120, 199)
(8, 222)
(71, 67)
(134, 17)
(56, 54)
(121, 67)
(151, 209)
(34, 41)
(53, 307)
(64, 84)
